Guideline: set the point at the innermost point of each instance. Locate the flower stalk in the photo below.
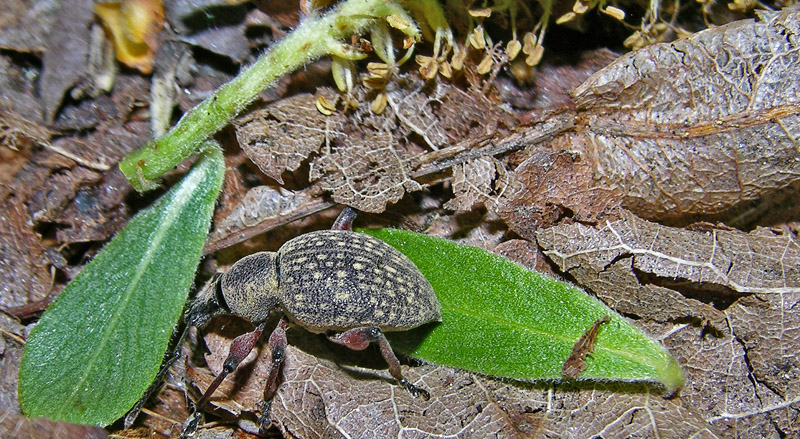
(315, 37)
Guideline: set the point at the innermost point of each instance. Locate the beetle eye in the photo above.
(219, 298)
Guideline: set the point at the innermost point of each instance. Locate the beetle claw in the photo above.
(415, 391)
(191, 424)
(264, 422)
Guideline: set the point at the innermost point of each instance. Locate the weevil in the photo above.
(349, 285)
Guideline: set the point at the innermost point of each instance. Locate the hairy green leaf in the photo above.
(502, 319)
(99, 345)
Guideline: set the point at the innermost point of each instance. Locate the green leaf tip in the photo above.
(100, 344)
(501, 319)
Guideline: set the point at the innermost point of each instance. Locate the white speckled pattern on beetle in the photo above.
(338, 280)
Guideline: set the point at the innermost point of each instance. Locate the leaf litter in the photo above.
(645, 285)
(671, 130)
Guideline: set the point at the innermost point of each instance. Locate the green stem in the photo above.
(314, 38)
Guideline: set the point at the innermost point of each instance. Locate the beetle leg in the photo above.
(359, 338)
(277, 346)
(345, 219)
(241, 346)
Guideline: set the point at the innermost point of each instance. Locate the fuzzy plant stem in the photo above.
(313, 38)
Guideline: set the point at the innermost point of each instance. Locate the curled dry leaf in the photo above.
(696, 126)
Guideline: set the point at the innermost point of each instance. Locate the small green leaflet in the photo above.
(501, 319)
(99, 345)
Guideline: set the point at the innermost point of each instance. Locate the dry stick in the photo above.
(436, 161)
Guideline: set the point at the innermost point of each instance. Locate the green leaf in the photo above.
(99, 345)
(501, 319)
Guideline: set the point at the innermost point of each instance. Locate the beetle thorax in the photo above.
(250, 287)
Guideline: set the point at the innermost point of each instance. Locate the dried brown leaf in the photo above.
(243, 389)
(769, 330)
(280, 137)
(603, 412)
(442, 114)
(762, 262)
(740, 397)
(367, 175)
(261, 209)
(700, 124)
(639, 267)
(693, 127)
(319, 396)
(550, 184)
(525, 253)
(16, 426)
(368, 159)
